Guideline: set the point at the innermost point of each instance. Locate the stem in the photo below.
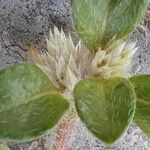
(64, 130)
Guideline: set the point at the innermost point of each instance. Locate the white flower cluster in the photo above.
(66, 64)
(114, 60)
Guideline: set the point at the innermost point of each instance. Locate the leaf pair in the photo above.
(98, 21)
(29, 104)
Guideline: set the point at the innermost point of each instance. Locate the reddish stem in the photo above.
(63, 132)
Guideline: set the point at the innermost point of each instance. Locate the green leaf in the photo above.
(29, 103)
(142, 88)
(106, 106)
(98, 21)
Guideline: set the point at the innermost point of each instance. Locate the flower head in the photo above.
(66, 64)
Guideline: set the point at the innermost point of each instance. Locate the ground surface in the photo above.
(25, 21)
